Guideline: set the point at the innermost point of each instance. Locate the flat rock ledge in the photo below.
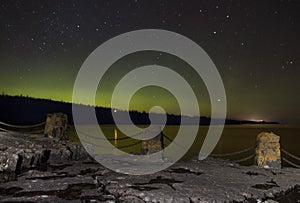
(74, 177)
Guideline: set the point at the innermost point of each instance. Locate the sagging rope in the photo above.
(236, 152)
(289, 154)
(22, 126)
(116, 146)
(291, 163)
(113, 139)
(220, 155)
(129, 145)
(245, 159)
(110, 139)
(225, 154)
(292, 156)
(171, 140)
(27, 132)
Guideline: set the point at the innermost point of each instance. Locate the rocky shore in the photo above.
(38, 169)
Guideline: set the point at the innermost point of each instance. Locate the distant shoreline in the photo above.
(26, 110)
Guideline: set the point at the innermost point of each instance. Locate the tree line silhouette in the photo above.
(28, 110)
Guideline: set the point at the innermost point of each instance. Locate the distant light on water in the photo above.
(257, 120)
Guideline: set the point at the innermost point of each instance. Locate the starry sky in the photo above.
(254, 44)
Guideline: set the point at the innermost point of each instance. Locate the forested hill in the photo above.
(26, 110)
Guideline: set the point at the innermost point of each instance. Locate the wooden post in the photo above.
(115, 150)
(268, 150)
(116, 137)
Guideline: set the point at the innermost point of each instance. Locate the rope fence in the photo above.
(289, 154)
(223, 154)
(219, 155)
(111, 139)
(236, 152)
(286, 156)
(129, 145)
(291, 163)
(27, 132)
(23, 126)
(245, 159)
(25, 129)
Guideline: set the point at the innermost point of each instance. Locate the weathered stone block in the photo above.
(56, 126)
(268, 150)
(154, 142)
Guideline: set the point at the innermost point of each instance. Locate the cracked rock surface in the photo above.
(68, 179)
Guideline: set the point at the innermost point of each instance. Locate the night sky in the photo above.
(254, 44)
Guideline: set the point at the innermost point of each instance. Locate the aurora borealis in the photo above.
(254, 45)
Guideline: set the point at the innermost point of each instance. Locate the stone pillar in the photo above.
(268, 150)
(154, 142)
(56, 126)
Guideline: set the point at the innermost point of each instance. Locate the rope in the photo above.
(125, 138)
(118, 147)
(245, 159)
(36, 131)
(178, 145)
(23, 126)
(291, 163)
(218, 155)
(111, 139)
(130, 145)
(291, 155)
(28, 132)
(235, 153)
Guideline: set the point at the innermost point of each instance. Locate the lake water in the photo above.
(234, 138)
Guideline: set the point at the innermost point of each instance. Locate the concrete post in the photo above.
(268, 150)
(154, 143)
(56, 126)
